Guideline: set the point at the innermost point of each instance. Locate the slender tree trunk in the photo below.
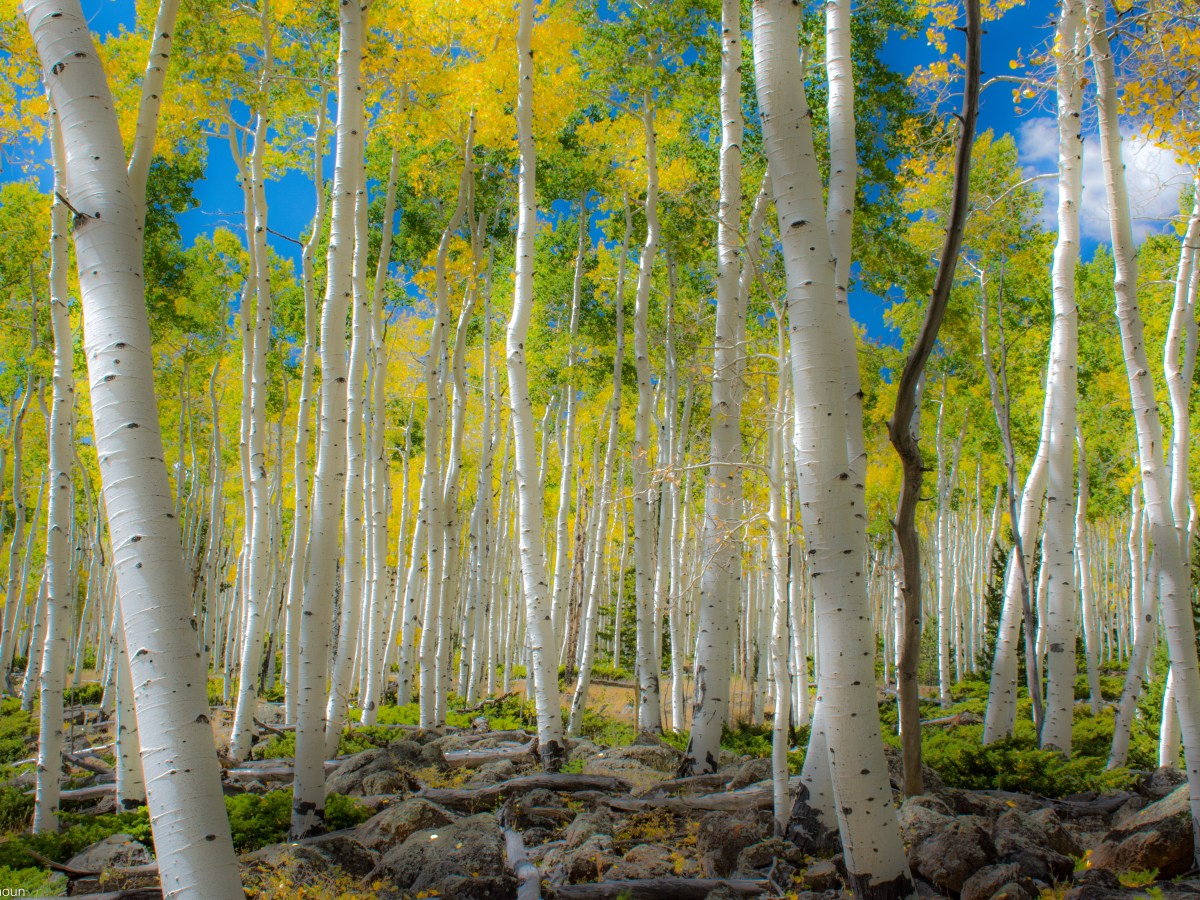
(308, 806)
(59, 597)
(543, 659)
(720, 579)
(902, 430)
(1167, 534)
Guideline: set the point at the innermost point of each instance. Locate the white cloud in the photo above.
(1155, 179)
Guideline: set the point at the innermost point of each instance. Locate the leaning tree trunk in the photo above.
(543, 669)
(901, 428)
(1167, 534)
(834, 528)
(191, 830)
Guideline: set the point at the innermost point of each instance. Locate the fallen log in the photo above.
(529, 879)
(756, 796)
(469, 759)
(482, 798)
(710, 781)
(660, 889)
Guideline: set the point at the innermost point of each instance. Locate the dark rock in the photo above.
(933, 783)
(921, 817)
(989, 881)
(351, 776)
(822, 875)
(587, 824)
(650, 861)
(301, 863)
(749, 773)
(1158, 784)
(493, 773)
(1129, 809)
(117, 851)
(590, 860)
(1096, 878)
(393, 825)
(1158, 837)
(721, 837)
(951, 856)
(463, 860)
(1051, 829)
(762, 856)
(1020, 839)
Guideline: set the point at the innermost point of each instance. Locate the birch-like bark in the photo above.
(59, 597)
(539, 627)
(1087, 599)
(1059, 543)
(649, 707)
(352, 513)
(562, 582)
(187, 809)
(308, 806)
(255, 599)
(720, 578)
(834, 528)
(1167, 534)
(300, 475)
(377, 526)
(432, 492)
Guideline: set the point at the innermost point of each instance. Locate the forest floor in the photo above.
(465, 812)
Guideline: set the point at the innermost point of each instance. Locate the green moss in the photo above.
(32, 882)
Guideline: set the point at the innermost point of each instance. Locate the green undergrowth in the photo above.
(255, 820)
(958, 756)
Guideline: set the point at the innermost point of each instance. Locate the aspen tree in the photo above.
(187, 810)
(1059, 546)
(257, 542)
(539, 626)
(1168, 535)
(308, 807)
(834, 532)
(59, 605)
(300, 475)
(720, 580)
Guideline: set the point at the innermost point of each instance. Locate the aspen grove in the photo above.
(581, 449)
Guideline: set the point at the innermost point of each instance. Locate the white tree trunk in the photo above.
(539, 627)
(187, 809)
(1167, 534)
(834, 528)
(59, 597)
(649, 707)
(1059, 542)
(308, 806)
(720, 578)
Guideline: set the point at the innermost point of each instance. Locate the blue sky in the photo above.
(1155, 179)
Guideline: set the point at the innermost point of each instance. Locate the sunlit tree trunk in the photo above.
(308, 805)
(834, 528)
(300, 476)
(539, 628)
(59, 598)
(1167, 534)
(720, 578)
(187, 809)
(1059, 544)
